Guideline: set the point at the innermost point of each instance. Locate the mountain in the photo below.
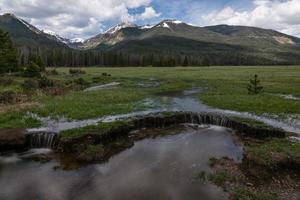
(169, 41)
(25, 34)
(110, 37)
(174, 37)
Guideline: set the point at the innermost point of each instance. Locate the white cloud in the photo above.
(274, 14)
(76, 18)
(149, 13)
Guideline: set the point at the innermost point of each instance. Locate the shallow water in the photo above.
(164, 167)
(101, 87)
(185, 101)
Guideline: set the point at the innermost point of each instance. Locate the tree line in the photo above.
(78, 58)
(12, 59)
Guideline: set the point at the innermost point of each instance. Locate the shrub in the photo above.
(30, 84)
(53, 72)
(39, 61)
(8, 97)
(32, 70)
(44, 82)
(105, 74)
(76, 71)
(97, 79)
(81, 82)
(6, 81)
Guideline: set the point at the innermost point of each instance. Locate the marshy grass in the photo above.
(224, 87)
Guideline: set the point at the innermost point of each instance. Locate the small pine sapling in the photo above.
(254, 87)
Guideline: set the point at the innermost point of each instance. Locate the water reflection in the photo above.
(163, 167)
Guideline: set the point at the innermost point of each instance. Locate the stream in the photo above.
(185, 101)
(164, 167)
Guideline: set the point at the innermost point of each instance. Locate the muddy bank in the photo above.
(81, 143)
(254, 181)
(12, 139)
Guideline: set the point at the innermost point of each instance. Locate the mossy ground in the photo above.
(266, 172)
(246, 194)
(100, 128)
(271, 153)
(250, 122)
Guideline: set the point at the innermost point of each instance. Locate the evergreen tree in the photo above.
(254, 86)
(39, 61)
(32, 70)
(8, 54)
(185, 62)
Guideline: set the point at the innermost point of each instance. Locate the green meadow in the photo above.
(223, 87)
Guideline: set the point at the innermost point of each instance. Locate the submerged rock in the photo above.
(12, 139)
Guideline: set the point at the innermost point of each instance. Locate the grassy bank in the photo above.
(225, 87)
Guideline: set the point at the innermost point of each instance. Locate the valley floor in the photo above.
(76, 103)
(223, 87)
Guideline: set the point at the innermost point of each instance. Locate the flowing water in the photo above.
(186, 101)
(164, 167)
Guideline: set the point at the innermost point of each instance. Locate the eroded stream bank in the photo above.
(180, 101)
(147, 147)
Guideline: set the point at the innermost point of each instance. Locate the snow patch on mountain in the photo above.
(115, 29)
(168, 23)
(56, 37)
(77, 40)
(163, 25)
(175, 22)
(147, 26)
(29, 26)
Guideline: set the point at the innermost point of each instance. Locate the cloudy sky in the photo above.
(85, 18)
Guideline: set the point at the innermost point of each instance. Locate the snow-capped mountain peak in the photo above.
(168, 23)
(146, 26)
(57, 37)
(119, 27)
(77, 40)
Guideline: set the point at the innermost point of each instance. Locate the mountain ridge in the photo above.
(168, 37)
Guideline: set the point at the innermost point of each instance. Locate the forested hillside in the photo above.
(168, 43)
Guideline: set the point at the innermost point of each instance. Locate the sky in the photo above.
(86, 18)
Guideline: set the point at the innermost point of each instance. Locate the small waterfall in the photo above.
(41, 140)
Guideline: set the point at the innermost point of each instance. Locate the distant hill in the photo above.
(168, 42)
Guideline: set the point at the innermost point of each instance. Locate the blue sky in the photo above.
(83, 19)
(181, 9)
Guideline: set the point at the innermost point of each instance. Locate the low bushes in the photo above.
(30, 84)
(79, 83)
(44, 82)
(10, 97)
(76, 71)
(32, 70)
(6, 81)
(53, 72)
